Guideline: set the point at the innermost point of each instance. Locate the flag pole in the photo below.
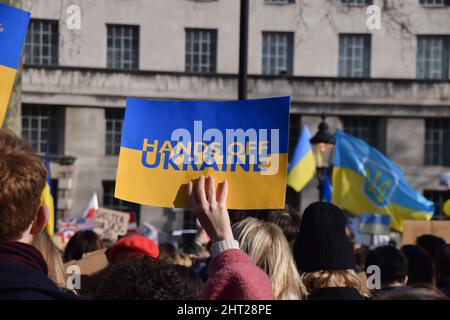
(243, 50)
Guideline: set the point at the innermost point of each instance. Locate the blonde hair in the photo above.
(181, 259)
(53, 258)
(266, 245)
(332, 278)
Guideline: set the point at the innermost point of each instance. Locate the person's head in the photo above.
(430, 243)
(22, 179)
(135, 245)
(191, 278)
(393, 265)
(409, 293)
(322, 250)
(143, 278)
(361, 256)
(266, 245)
(82, 242)
(322, 243)
(167, 250)
(181, 259)
(420, 266)
(53, 258)
(443, 261)
(287, 219)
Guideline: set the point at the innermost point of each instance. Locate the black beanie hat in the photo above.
(322, 243)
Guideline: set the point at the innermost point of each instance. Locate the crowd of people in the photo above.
(237, 255)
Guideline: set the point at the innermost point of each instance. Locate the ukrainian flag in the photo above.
(302, 167)
(47, 198)
(365, 181)
(13, 29)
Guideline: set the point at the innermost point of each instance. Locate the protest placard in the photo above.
(414, 229)
(91, 262)
(167, 143)
(110, 224)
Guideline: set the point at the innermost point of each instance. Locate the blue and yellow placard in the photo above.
(13, 29)
(167, 143)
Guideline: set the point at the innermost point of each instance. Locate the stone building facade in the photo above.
(390, 86)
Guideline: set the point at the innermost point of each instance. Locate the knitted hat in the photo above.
(135, 245)
(322, 243)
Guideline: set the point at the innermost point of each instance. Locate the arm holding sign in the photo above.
(232, 274)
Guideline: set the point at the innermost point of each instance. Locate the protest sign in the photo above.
(13, 29)
(167, 143)
(110, 224)
(91, 262)
(414, 229)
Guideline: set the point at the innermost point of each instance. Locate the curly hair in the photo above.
(141, 278)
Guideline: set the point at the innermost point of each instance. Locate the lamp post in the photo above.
(323, 145)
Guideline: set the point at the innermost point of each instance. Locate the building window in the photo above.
(43, 127)
(277, 53)
(368, 129)
(357, 2)
(114, 123)
(437, 142)
(110, 202)
(123, 47)
(201, 50)
(435, 3)
(433, 57)
(42, 42)
(438, 197)
(354, 56)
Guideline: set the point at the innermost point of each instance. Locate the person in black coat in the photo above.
(23, 274)
(324, 255)
(23, 271)
(443, 269)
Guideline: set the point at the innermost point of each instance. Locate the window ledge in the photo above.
(203, 0)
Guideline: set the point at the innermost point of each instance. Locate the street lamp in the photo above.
(323, 145)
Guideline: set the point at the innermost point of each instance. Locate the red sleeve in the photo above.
(234, 276)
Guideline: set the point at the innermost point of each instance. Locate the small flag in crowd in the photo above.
(13, 29)
(66, 229)
(47, 198)
(92, 206)
(133, 223)
(372, 223)
(364, 180)
(302, 167)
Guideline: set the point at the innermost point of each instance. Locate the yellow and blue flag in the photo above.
(302, 167)
(365, 181)
(47, 198)
(372, 223)
(13, 29)
(167, 143)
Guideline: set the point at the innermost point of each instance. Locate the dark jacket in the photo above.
(19, 282)
(336, 293)
(444, 285)
(23, 274)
